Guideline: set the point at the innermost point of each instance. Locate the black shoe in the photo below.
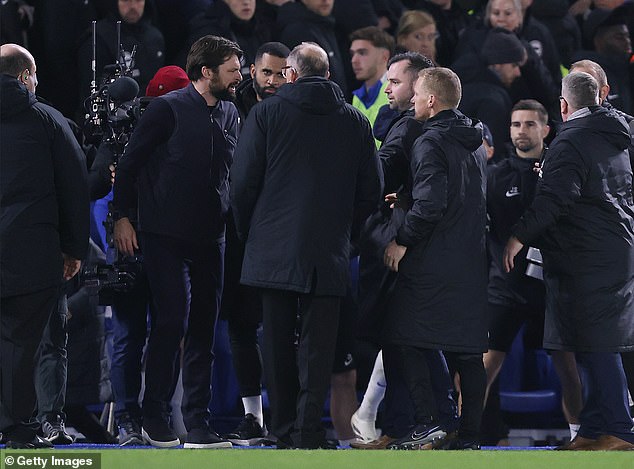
(203, 438)
(158, 432)
(54, 431)
(35, 443)
(129, 431)
(248, 433)
(418, 437)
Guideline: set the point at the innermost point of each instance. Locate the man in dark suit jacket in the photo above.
(44, 229)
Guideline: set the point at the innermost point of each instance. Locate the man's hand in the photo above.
(71, 266)
(125, 236)
(513, 246)
(393, 255)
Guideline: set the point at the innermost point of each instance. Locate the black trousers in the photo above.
(606, 410)
(22, 322)
(473, 381)
(52, 365)
(298, 361)
(186, 284)
(399, 413)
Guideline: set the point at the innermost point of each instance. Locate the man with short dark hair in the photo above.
(241, 305)
(179, 155)
(582, 221)
(266, 77)
(307, 140)
(44, 229)
(370, 50)
(516, 299)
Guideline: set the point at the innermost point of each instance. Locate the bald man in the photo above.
(44, 230)
(296, 204)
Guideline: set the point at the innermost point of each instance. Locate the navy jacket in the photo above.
(180, 154)
(44, 206)
(305, 176)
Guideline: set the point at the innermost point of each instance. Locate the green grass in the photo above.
(350, 459)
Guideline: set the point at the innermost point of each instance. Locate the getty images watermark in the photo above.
(50, 460)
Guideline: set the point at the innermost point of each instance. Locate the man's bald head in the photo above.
(18, 62)
(309, 59)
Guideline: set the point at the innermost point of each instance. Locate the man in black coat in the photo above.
(581, 219)
(439, 300)
(44, 225)
(180, 154)
(298, 194)
(376, 281)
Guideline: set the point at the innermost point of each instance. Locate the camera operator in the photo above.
(179, 154)
(137, 34)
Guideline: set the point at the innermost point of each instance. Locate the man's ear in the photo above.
(252, 71)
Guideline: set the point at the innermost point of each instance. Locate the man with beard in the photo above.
(241, 305)
(179, 157)
(266, 77)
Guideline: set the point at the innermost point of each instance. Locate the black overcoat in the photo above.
(440, 296)
(305, 175)
(581, 219)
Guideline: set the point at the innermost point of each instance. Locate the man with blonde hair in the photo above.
(439, 302)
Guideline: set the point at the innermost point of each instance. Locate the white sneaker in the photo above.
(364, 429)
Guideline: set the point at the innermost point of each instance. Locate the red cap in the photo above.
(167, 79)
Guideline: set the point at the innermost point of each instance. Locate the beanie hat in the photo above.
(502, 47)
(167, 79)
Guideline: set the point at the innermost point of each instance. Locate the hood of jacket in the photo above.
(315, 95)
(607, 122)
(14, 97)
(472, 69)
(454, 125)
(296, 12)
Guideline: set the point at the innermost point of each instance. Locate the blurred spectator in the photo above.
(137, 33)
(451, 21)
(536, 81)
(16, 17)
(417, 32)
(312, 21)
(236, 20)
(370, 49)
(564, 28)
(54, 40)
(609, 35)
(486, 79)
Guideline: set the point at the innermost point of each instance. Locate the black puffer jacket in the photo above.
(582, 220)
(44, 206)
(305, 175)
(440, 296)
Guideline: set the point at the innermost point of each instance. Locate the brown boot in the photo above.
(380, 443)
(610, 443)
(579, 443)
